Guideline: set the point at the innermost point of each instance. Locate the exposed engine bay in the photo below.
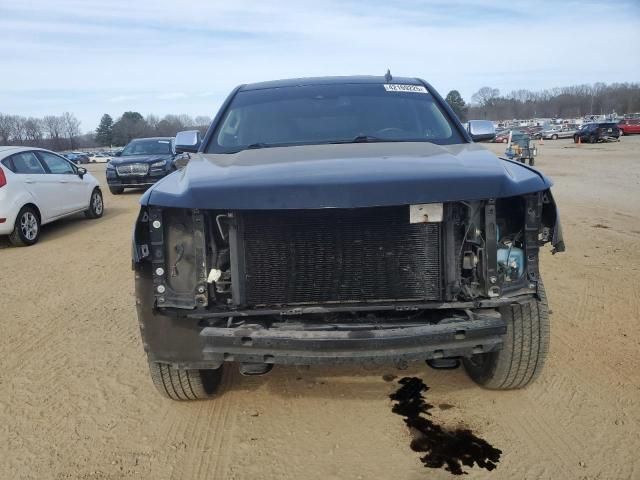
(224, 264)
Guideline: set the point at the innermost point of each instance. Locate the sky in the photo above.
(91, 57)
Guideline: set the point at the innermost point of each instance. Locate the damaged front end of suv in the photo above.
(331, 250)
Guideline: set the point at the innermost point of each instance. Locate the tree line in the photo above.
(57, 132)
(565, 102)
(133, 125)
(62, 132)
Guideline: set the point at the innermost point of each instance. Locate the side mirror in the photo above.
(118, 154)
(81, 172)
(188, 141)
(481, 130)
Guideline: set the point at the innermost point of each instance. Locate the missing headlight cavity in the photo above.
(443, 448)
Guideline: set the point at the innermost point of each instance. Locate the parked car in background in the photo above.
(336, 220)
(534, 132)
(100, 157)
(629, 126)
(37, 187)
(141, 163)
(502, 137)
(77, 157)
(557, 132)
(597, 132)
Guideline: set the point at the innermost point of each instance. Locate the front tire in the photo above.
(554, 137)
(178, 384)
(525, 348)
(96, 205)
(26, 231)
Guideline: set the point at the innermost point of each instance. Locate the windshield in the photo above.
(317, 114)
(147, 147)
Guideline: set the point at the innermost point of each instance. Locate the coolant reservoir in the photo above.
(513, 266)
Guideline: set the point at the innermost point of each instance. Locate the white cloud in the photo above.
(122, 98)
(172, 96)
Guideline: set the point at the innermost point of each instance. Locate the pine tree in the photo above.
(456, 102)
(104, 132)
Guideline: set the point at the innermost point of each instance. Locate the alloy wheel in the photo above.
(29, 226)
(96, 203)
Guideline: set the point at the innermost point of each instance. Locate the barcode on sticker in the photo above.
(393, 87)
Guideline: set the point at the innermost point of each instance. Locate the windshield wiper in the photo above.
(256, 145)
(358, 139)
(253, 146)
(364, 139)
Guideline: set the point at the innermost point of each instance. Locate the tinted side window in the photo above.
(55, 164)
(26, 162)
(9, 164)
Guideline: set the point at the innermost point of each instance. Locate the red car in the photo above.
(629, 126)
(502, 137)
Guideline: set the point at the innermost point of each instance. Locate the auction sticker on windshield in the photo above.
(393, 87)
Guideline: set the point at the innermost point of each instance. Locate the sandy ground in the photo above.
(76, 400)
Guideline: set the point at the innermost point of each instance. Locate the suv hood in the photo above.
(343, 176)
(140, 158)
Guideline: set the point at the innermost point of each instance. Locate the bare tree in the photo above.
(70, 127)
(53, 128)
(186, 120)
(33, 130)
(485, 96)
(5, 129)
(152, 123)
(202, 121)
(18, 131)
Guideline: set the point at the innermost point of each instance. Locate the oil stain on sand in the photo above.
(451, 449)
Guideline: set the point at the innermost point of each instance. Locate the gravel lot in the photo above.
(76, 400)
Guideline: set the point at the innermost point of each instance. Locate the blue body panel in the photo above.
(343, 176)
(353, 79)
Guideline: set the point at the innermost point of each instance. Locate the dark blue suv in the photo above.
(342, 220)
(142, 163)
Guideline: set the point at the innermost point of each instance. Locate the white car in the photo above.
(37, 187)
(99, 157)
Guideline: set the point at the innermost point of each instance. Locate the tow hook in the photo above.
(254, 369)
(444, 363)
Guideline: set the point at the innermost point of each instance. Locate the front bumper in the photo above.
(115, 180)
(303, 337)
(307, 344)
(185, 343)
